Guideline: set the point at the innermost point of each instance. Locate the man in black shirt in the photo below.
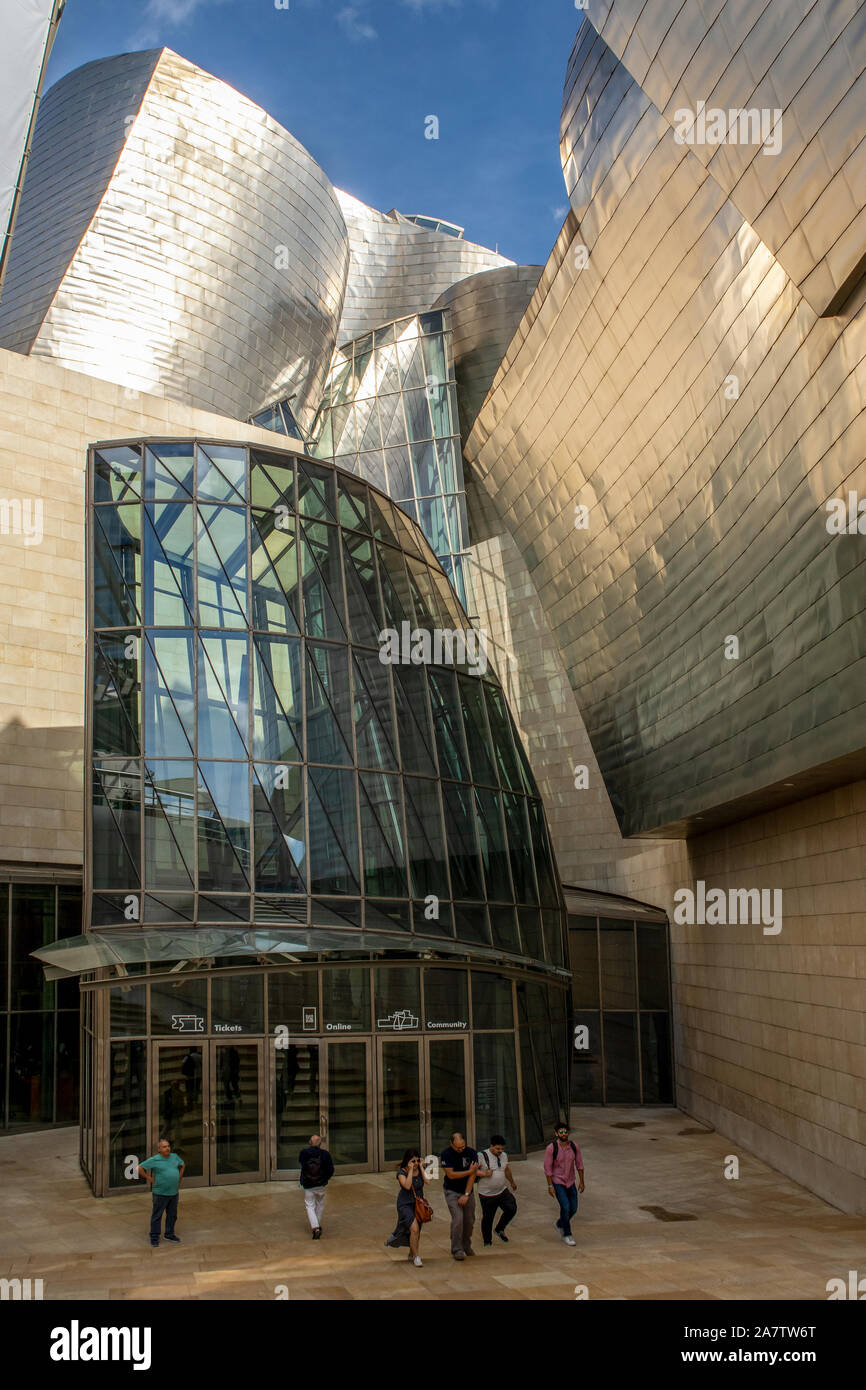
(317, 1169)
(460, 1165)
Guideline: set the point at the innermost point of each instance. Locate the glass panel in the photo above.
(400, 1091)
(464, 860)
(583, 950)
(503, 744)
(503, 924)
(169, 675)
(617, 964)
(470, 923)
(117, 474)
(446, 999)
(353, 503)
(116, 825)
(427, 861)
(656, 1060)
(277, 699)
(317, 492)
(69, 923)
(274, 565)
(169, 824)
(178, 1005)
(476, 730)
(280, 839)
(530, 932)
(221, 473)
(169, 470)
(222, 566)
(395, 587)
(333, 831)
(494, 850)
(324, 611)
(362, 589)
(397, 1000)
(180, 1108)
(453, 760)
(237, 1004)
(497, 1108)
(293, 1002)
(128, 1010)
(32, 927)
(223, 696)
(519, 849)
(329, 709)
(168, 564)
(373, 716)
(491, 1000)
(236, 1089)
(68, 1046)
(413, 720)
(533, 1122)
(272, 481)
(383, 848)
(622, 1082)
(127, 1099)
(446, 1090)
(346, 999)
(586, 1057)
(116, 696)
(296, 1099)
(117, 566)
(4, 962)
(652, 966)
(347, 1137)
(224, 826)
(554, 922)
(31, 1069)
(545, 870)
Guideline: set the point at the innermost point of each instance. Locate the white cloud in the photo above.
(354, 26)
(159, 15)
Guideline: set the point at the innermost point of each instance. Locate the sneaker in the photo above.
(459, 1255)
(488, 1242)
(154, 1242)
(502, 1236)
(569, 1240)
(418, 1262)
(176, 1239)
(317, 1233)
(469, 1252)
(392, 1242)
(558, 1230)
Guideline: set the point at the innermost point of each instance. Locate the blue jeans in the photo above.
(567, 1198)
(163, 1204)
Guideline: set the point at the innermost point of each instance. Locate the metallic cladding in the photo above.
(398, 269)
(175, 240)
(484, 311)
(707, 509)
(807, 62)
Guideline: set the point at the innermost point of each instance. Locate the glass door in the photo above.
(237, 1132)
(347, 1112)
(446, 1092)
(400, 1091)
(297, 1102)
(179, 1085)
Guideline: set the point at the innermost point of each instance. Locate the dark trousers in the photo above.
(567, 1198)
(163, 1204)
(489, 1207)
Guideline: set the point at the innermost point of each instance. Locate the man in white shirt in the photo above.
(494, 1179)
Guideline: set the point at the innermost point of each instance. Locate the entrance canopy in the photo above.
(132, 946)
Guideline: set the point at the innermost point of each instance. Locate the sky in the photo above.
(356, 81)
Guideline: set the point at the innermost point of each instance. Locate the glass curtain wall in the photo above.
(39, 1023)
(253, 759)
(623, 1038)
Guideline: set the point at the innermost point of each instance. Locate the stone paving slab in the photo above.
(759, 1237)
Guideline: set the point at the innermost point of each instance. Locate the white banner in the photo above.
(24, 32)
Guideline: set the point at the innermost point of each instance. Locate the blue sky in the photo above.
(354, 81)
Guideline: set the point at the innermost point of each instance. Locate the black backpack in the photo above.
(572, 1145)
(313, 1166)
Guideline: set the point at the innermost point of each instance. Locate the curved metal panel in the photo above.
(174, 239)
(790, 81)
(398, 268)
(670, 378)
(484, 311)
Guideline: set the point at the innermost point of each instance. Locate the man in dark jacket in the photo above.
(317, 1169)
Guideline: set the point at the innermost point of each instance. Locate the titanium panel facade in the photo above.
(804, 60)
(175, 240)
(484, 311)
(398, 268)
(670, 377)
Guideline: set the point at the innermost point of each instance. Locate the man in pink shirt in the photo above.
(562, 1161)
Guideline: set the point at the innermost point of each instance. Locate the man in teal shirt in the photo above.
(164, 1172)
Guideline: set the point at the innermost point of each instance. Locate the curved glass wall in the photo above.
(254, 761)
(389, 414)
